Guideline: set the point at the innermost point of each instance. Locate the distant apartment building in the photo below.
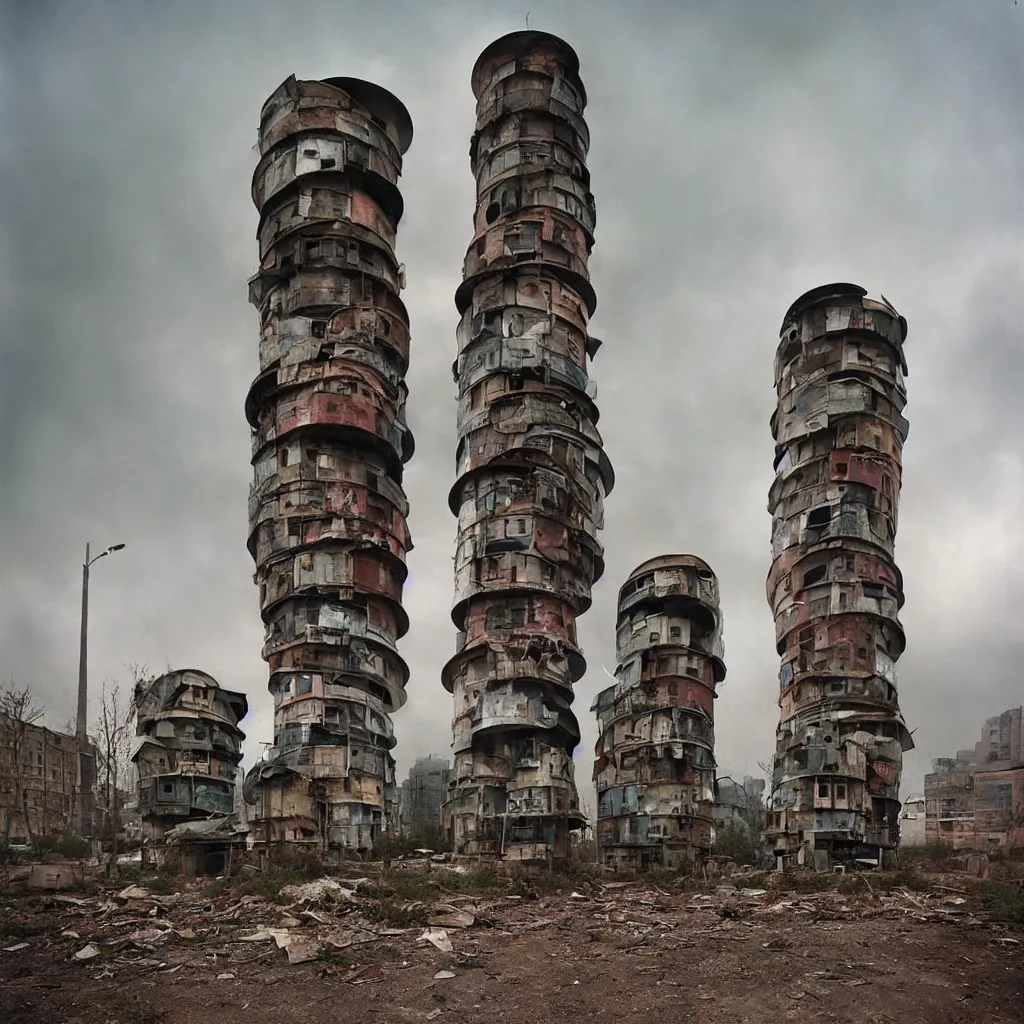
(421, 796)
(740, 803)
(976, 800)
(38, 781)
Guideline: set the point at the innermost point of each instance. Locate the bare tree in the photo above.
(114, 739)
(18, 710)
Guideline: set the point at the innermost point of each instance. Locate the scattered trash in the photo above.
(450, 917)
(225, 977)
(87, 952)
(444, 974)
(437, 937)
(134, 892)
(69, 934)
(14, 949)
(434, 1013)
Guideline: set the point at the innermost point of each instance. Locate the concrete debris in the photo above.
(321, 889)
(444, 916)
(531, 471)
(438, 938)
(834, 588)
(327, 514)
(654, 764)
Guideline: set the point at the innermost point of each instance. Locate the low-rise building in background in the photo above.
(975, 801)
(38, 781)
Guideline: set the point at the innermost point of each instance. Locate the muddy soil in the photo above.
(626, 953)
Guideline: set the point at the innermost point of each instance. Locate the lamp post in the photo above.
(86, 768)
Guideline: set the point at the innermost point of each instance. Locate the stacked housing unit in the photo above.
(327, 513)
(531, 471)
(834, 587)
(189, 749)
(654, 764)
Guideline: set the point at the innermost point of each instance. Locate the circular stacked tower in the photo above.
(327, 514)
(654, 764)
(834, 587)
(531, 471)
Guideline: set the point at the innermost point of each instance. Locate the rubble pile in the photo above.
(363, 929)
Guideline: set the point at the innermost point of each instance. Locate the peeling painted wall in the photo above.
(531, 473)
(654, 764)
(834, 588)
(188, 750)
(327, 513)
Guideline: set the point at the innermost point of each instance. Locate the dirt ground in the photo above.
(734, 952)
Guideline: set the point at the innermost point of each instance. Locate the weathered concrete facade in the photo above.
(834, 587)
(740, 804)
(654, 762)
(188, 751)
(38, 781)
(327, 514)
(531, 472)
(421, 797)
(975, 801)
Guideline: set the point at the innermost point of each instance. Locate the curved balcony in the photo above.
(527, 287)
(832, 525)
(539, 134)
(643, 630)
(324, 291)
(796, 570)
(549, 660)
(322, 203)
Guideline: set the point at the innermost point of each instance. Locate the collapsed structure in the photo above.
(834, 587)
(655, 758)
(327, 514)
(188, 751)
(531, 471)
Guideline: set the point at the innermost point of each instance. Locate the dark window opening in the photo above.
(815, 575)
(326, 163)
(492, 213)
(819, 516)
(319, 328)
(823, 789)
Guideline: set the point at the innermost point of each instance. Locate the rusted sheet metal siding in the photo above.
(531, 473)
(189, 750)
(834, 588)
(327, 514)
(654, 762)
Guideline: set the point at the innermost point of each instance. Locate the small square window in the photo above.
(823, 790)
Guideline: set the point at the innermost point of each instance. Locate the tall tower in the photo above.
(654, 764)
(834, 587)
(327, 514)
(531, 471)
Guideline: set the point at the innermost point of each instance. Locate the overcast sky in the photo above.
(742, 153)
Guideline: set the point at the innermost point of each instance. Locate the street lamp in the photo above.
(85, 773)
